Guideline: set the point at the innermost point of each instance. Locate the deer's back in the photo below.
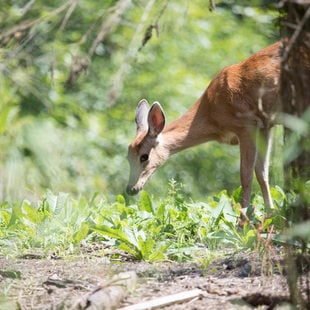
(245, 94)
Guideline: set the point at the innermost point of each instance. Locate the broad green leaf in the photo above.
(146, 246)
(278, 195)
(160, 252)
(128, 239)
(56, 202)
(145, 202)
(161, 212)
(82, 233)
(29, 212)
(237, 194)
(228, 212)
(5, 217)
(267, 223)
(131, 250)
(16, 215)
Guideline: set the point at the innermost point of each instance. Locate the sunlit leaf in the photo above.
(145, 202)
(81, 233)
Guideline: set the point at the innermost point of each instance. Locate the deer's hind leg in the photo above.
(264, 145)
(247, 163)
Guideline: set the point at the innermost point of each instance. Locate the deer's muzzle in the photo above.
(132, 190)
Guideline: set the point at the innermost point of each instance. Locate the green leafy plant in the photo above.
(171, 228)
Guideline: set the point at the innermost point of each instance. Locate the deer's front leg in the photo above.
(247, 162)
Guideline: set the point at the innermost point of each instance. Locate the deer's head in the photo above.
(146, 153)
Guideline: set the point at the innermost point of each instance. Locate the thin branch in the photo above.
(67, 16)
(131, 53)
(12, 54)
(81, 64)
(30, 23)
(27, 7)
(71, 9)
(110, 23)
(295, 35)
(154, 26)
(211, 5)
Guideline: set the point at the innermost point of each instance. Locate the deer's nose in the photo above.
(131, 190)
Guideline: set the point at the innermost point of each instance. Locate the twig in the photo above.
(81, 64)
(131, 53)
(295, 35)
(149, 30)
(211, 5)
(71, 9)
(167, 300)
(27, 7)
(107, 25)
(30, 23)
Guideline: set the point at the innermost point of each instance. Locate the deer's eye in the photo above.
(144, 158)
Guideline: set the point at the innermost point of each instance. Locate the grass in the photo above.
(151, 230)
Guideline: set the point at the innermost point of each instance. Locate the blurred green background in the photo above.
(72, 73)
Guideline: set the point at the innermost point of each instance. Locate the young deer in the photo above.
(238, 107)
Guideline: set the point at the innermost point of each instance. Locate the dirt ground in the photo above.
(232, 282)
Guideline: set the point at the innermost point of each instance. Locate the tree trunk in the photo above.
(295, 100)
(295, 84)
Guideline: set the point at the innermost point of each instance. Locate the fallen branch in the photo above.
(167, 300)
(108, 295)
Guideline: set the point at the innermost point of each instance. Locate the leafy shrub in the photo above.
(171, 228)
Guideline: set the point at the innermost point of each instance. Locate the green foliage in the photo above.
(67, 115)
(152, 230)
(67, 111)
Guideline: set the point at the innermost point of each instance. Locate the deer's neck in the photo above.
(191, 129)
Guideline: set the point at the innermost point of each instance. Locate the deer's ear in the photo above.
(156, 119)
(141, 115)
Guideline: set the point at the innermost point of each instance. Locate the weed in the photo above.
(152, 230)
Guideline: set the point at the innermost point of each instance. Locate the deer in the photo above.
(239, 107)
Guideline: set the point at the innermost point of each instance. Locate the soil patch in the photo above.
(235, 282)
